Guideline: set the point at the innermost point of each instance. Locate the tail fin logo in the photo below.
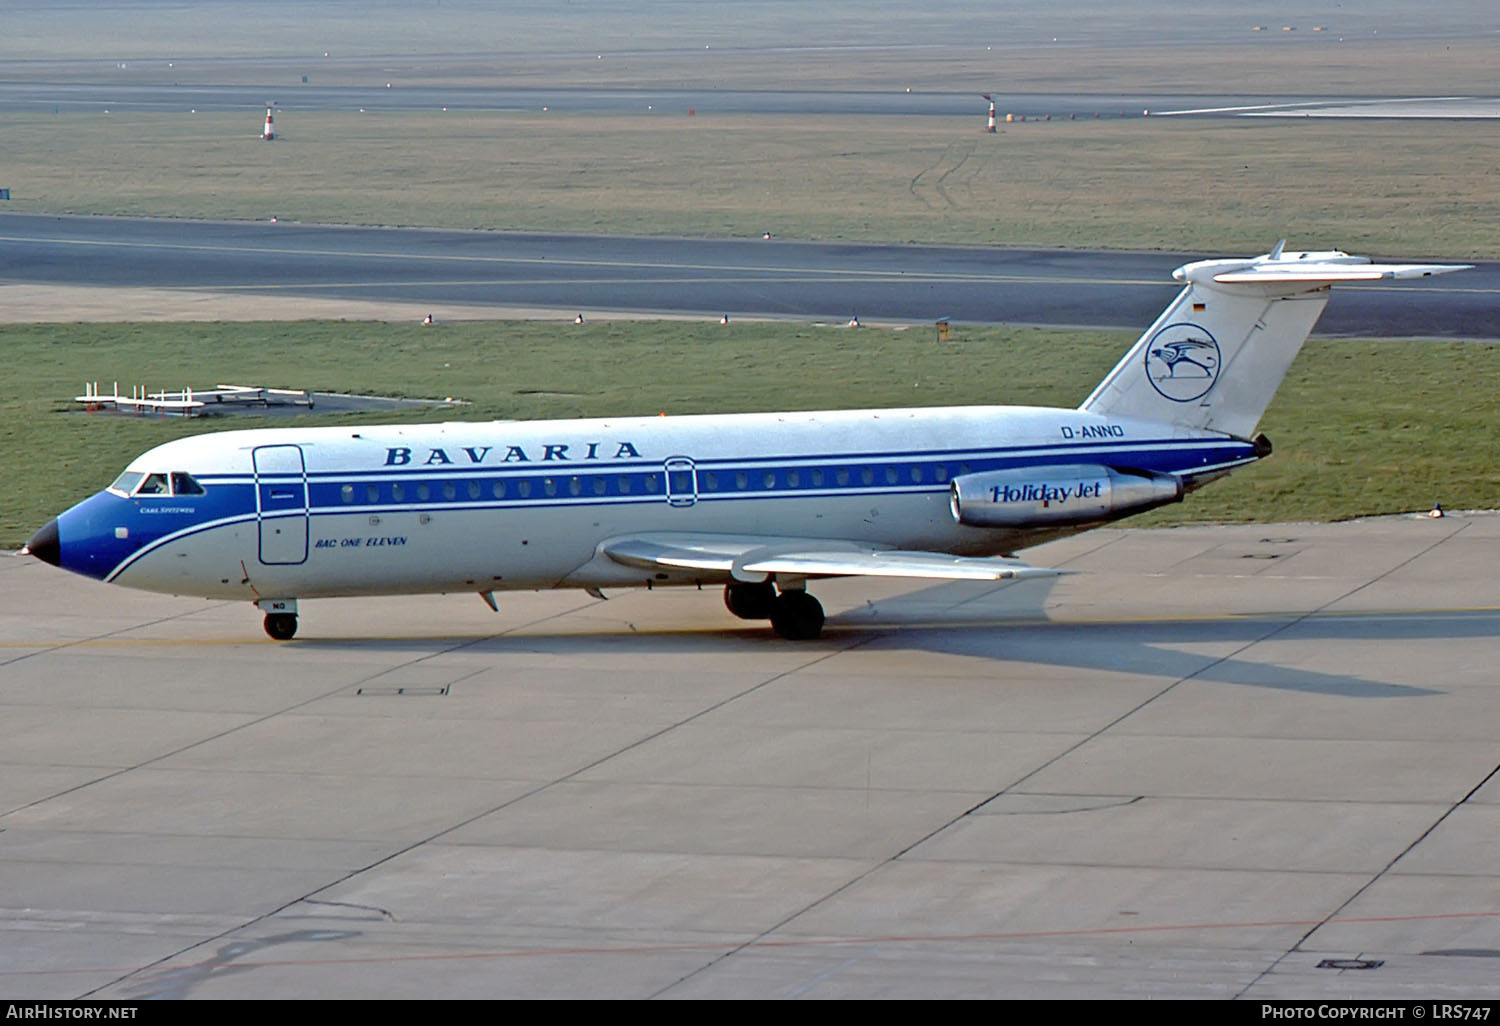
(1182, 362)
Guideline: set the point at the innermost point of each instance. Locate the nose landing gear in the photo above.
(281, 626)
(281, 617)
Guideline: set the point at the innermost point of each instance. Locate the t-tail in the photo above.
(1216, 355)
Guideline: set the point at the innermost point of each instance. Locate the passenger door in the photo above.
(281, 503)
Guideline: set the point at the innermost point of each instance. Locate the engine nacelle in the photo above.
(1057, 495)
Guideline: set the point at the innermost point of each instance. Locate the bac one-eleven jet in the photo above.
(759, 503)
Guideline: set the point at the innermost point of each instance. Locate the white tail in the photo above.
(1217, 354)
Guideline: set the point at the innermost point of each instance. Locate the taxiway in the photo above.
(1242, 762)
(193, 265)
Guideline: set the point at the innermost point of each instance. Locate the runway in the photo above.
(1250, 762)
(495, 273)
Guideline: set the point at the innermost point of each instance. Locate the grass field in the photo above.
(1360, 427)
(1413, 189)
(1375, 47)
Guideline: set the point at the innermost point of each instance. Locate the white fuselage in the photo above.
(483, 507)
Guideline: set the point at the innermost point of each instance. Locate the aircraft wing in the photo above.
(753, 558)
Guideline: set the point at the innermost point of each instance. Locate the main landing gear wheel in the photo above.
(750, 601)
(281, 626)
(797, 616)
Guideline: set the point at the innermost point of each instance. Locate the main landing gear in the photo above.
(794, 614)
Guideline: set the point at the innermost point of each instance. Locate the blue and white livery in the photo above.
(758, 503)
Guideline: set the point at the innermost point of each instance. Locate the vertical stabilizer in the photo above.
(1217, 354)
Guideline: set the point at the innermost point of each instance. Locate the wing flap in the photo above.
(751, 558)
(891, 563)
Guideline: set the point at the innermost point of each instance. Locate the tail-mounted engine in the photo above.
(1057, 495)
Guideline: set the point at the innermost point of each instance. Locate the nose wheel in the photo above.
(281, 626)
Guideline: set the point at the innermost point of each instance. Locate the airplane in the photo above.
(759, 503)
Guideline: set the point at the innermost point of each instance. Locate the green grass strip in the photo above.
(1360, 427)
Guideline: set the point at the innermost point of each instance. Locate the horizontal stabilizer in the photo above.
(1294, 272)
(752, 558)
(1214, 358)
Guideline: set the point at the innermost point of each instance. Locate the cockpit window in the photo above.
(126, 482)
(155, 484)
(179, 482)
(183, 484)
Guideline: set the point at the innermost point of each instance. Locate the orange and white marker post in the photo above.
(991, 127)
(270, 130)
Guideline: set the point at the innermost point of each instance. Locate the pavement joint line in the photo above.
(781, 944)
(414, 845)
(213, 737)
(342, 687)
(1297, 947)
(230, 730)
(1290, 621)
(109, 637)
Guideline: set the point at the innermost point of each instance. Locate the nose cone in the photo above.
(44, 544)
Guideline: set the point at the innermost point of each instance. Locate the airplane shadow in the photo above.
(1008, 623)
(946, 618)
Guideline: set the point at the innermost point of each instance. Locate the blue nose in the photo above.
(44, 544)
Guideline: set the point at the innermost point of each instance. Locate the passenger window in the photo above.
(473, 489)
(769, 479)
(867, 475)
(711, 481)
(524, 488)
(575, 486)
(624, 484)
(423, 492)
(793, 479)
(499, 489)
(450, 491)
(347, 493)
(372, 493)
(651, 483)
(916, 473)
(741, 480)
(599, 484)
(817, 478)
(841, 476)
